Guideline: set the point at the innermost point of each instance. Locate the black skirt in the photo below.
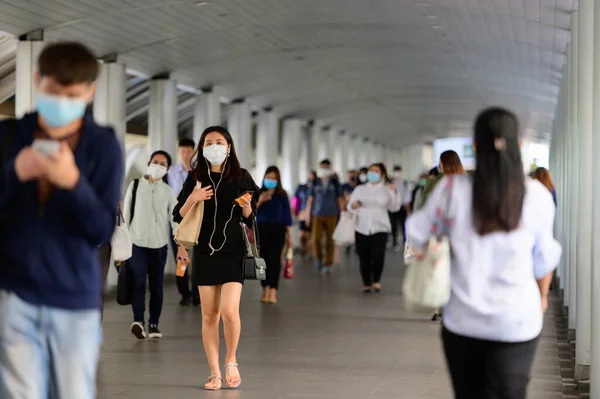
(217, 269)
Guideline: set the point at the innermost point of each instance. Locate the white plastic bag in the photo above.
(344, 231)
(426, 286)
(120, 242)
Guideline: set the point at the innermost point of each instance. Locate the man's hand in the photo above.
(62, 169)
(29, 165)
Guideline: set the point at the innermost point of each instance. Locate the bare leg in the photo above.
(265, 294)
(209, 301)
(230, 308)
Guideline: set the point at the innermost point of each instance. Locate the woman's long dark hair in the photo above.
(200, 166)
(385, 177)
(273, 169)
(498, 180)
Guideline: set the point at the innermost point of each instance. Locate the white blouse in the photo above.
(153, 216)
(377, 200)
(494, 291)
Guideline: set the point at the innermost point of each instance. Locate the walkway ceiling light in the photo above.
(202, 3)
(422, 4)
(437, 27)
(429, 16)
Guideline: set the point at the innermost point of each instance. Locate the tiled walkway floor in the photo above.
(324, 340)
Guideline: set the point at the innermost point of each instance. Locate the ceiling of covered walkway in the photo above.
(399, 71)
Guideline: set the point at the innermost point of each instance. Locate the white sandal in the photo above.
(228, 367)
(214, 377)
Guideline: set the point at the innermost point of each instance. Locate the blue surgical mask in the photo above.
(270, 184)
(422, 182)
(373, 177)
(59, 111)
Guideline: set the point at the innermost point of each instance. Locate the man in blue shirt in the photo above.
(59, 192)
(177, 175)
(325, 203)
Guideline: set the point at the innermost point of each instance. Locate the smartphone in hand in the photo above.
(46, 147)
(247, 194)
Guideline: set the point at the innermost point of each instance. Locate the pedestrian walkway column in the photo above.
(110, 99)
(28, 50)
(326, 143)
(340, 153)
(365, 153)
(566, 167)
(267, 142)
(595, 281)
(317, 141)
(574, 179)
(239, 125)
(354, 149)
(207, 112)
(290, 156)
(162, 115)
(304, 164)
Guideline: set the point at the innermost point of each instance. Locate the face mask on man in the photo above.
(398, 175)
(373, 177)
(215, 154)
(362, 178)
(270, 184)
(59, 111)
(323, 172)
(156, 171)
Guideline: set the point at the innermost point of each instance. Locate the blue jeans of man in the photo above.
(148, 262)
(47, 352)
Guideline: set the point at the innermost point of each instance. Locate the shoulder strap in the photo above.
(136, 183)
(9, 132)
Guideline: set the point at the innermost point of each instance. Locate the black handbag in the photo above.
(124, 286)
(254, 267)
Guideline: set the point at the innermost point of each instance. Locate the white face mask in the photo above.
(156, 171)
(323, 172)
(215, 154)
(398, 175)
(362, 178)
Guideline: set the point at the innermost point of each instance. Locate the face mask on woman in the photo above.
(373, 177)
(215, 154)
(362, 178)
(270, 184)
(156, 171)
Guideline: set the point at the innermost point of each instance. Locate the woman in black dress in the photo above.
(220, 251)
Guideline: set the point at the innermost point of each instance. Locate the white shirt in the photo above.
(177, 176)
(494, 291)
(377, 200)
(153, 217)
(404, 190)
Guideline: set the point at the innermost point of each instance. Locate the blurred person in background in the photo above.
(417, 192)
(502, 258)
(150, 226)
(543, 175)
(372, 202)
(274, 220)
(324, 204)
(352, 182)
(58, 204)
(398, 218)
(177, 176)
(362, 175)
(301, 199)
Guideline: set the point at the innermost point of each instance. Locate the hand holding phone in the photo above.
(244, 199)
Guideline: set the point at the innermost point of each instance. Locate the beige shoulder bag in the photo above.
(189, 229)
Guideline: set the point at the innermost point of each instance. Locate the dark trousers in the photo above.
(398, 219)
(104, 254)
(487, 369)
(272, 241)
(183, 282)
(371, 252)
(147, 262)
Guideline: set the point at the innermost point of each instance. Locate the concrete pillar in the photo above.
(304, 164)
(341, 149)
(326, 148)
(162, 116)
(566, 167)
(207, 112)
(574, 180)
(28, 51)
(239, 125)
(316, 142)
(110, 99)
(354, 152)
(595, 280)
(365, 153)
(292, 139)
(267, 144)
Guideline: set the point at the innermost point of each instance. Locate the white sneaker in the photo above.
(138, 330)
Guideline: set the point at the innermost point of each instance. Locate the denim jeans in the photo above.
(147, 262)
(47, 352)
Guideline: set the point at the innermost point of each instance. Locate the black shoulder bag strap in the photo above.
(136, 183)
(9, 132)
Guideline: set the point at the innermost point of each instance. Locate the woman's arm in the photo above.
(183, 204)
(355, 196)
(126, 204)
(395, 202)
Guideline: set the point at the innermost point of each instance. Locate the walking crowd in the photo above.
(60, 200)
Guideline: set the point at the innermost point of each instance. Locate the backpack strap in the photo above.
(136, 183)
(7, 138)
